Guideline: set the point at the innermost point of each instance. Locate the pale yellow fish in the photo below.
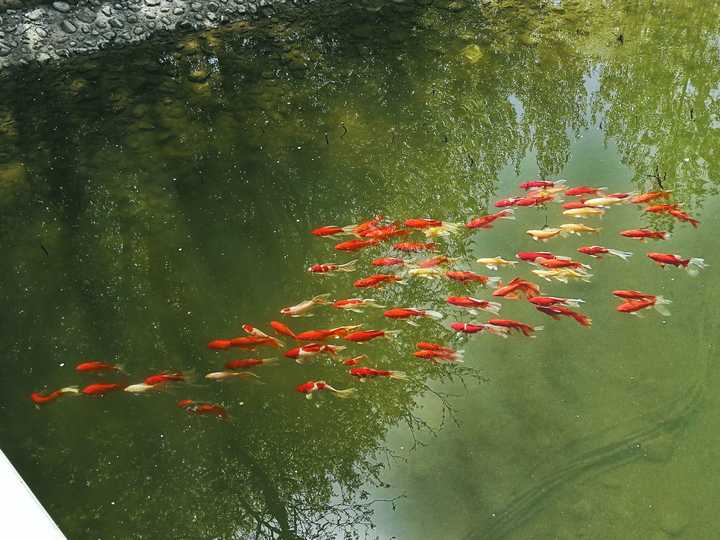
(219, 375)
(302, 309)
(544, 192)
(141, 387)
(493, 263)
(578, 228)
(544, 235)
(584, 212)
(562, 274)
(427, 273)
(601, 202)
(442, 230)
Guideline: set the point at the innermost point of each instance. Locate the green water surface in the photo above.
(157, 197)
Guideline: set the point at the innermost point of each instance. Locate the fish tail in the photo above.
(411, 323)
(270, 361)
(538, 328)
(624, 255)
(349, 266)
(661, 308)
(667, 236)
(434, 314)
(399, 375)
(392, 334)
(694, 222)
(70, 390)
(574, 302)
(698, 263)
(372, 303)
(508, 214)
(121, 369)
(321, 299)
(662, 300)
(493, 307)
(583, 320)
(342, 394)
(494, 282)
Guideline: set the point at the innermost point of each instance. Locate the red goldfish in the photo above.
(330, 268)
(251, 342)
(256, 332)
(434, 347)
(329, 230)
(219, 344)
(318, 386)
(467, 328)
(383, 233)
(161, 378)
(377, 280)
(555, 300)
(203, 408)
(100, 389)
(583, 190)
(356, 305)
(364, 372)
(440, 260)
(96, 365)
(367, 335)
(355, 360)
(354, 245)
(474, 304)
(574, 205)
(556, 311)
(516, 286)
(41, 399)
(415, 246)
(434, 356)
(692, 265)
(635, 306)
(423, 223)
(650, 196)
(504, 203)
(485, 222)
(466, 276)
(560, 263)
(682, 216)
(644, 234)
(532, 255)
(599, 251)
(526, 329)
(280, 328)
(660, 208)
(406, 313)
(321, 335)
(388, 261)
(533, 184)
(243, 363)
(534, 201)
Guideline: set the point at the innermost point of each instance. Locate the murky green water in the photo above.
(154, 198)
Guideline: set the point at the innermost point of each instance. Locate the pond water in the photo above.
(157, 197)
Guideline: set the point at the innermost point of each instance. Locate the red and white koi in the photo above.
(364, 336)
(468, 328)
(547, 301)
(222, 375)
(41, 399)
(408, 313)
(318, 386)
(256, 332)
(211, 409)
(321, 335)
(244, 363)
(530, 256)
(599, 251)
(535, 184)
(324, 269)
(302, 354)
(355, 360)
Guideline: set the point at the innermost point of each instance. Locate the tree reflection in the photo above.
(135, 164)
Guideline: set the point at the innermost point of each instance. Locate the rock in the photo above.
(115, 23)
(106, 10)
(138, 30)
(87, 15)
(673, 523)
(62, 7)
(152, 2)
(198, 75)
(132, 19)
(69, 27)
(35, 14)
(41, 32)
(472, 53)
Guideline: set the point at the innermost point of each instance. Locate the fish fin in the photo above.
(493, 307)
(574, 302)
(308, 396)
(662, 309)
(411, 323)
(434, 314)
(370, 302)
(320, 299)
(538, 328)
(662, 300)
(473, 312)
(342, 394)
(399, 375)
(624, 255)
(494, 282)
(350, 266)
(354, 310)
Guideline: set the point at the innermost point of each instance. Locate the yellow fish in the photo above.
(427, 273)
(493, 263)
(601, 202)
(543, 235)
(441, 230)
(584, 212)
(578, 228)
(562, 274)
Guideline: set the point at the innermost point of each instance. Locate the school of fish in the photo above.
(411, 258)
